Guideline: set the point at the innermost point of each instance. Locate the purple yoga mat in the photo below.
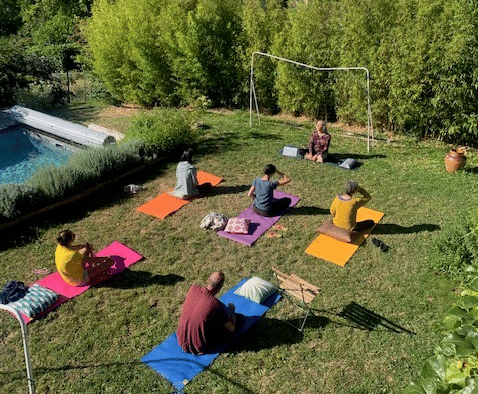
(259, 224)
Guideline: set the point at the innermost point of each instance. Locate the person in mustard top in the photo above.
(344, 208)
(76, 263)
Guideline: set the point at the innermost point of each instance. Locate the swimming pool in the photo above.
(23, 151)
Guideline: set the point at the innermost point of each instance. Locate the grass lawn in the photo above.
(93, 343)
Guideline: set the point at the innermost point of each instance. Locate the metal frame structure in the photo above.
(252, 91)
(16, 314)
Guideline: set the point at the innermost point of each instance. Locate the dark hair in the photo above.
(350, 187)
(65, 237)
(187, 155)
(269, 169)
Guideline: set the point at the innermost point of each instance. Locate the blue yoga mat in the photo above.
(170, 361)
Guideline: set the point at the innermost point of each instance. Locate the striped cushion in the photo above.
(37, 299)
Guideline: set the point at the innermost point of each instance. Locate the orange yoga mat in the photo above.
(165, 204)
(337, 252)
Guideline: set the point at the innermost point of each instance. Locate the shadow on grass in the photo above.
(80, 114)
(130, 279)
(269, 333)
(334, 157)
(20, 374)
(471, 170)
(236, 189)
(308, 211)
(390, 228)
(364, 319)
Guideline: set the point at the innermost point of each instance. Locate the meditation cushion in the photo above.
(35, 301)
(256, 289)
(330, 229)
(237, 226)
(348, 163)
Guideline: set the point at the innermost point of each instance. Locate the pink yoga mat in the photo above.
(121, 254)
(259, 224)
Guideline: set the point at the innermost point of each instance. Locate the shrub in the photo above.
(16, 200)
(86, 169)
(163, 131)
(454, 367)
(456, 249)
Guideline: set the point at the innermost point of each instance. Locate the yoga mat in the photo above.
(259, 224)
(178, 367)
(165, 204)
(121, 254)
(337, 252)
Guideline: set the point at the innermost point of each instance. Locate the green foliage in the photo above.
(163, 131)
(10, 19)
(456, 248)
(207, 53)
(20, 70)
(454, 367)
(306, 38)
(261, 21)
(128, 53)
(18, 199)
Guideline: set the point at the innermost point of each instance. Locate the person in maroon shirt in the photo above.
(319, 144)
(205, 322)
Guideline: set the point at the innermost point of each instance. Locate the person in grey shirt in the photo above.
(186, 178)
(262, 191)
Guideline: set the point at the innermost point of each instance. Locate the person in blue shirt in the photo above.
(262, 192)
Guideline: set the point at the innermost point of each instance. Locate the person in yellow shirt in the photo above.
(344, 208)
(76, 263)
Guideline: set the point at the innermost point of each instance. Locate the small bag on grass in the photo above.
(214, 221)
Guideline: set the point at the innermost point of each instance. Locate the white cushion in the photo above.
(256, 289)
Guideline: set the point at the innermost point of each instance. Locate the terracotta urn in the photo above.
(455, 160)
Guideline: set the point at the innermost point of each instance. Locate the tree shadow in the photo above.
(80, 114)
(471, 170)
(131, 279)
(335, 157)
(20, 374)
(390, 228)
(362, 318)
(308, 211)
(216, 143)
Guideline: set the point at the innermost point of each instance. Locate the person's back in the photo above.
(186, 181)
(69, 264)
(205, 322)
(345, 206)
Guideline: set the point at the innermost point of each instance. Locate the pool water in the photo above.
(23, 151)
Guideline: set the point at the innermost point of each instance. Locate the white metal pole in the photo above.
(23, 326)
(369, 108)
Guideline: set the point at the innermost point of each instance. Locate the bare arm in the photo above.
(251, 191)
(284, 178)
(231, 324)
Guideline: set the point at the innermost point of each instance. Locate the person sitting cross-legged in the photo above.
(187, 185)
(344, 208)
(262, 191)
(318, 149)
(76, 263)
(205, 322)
